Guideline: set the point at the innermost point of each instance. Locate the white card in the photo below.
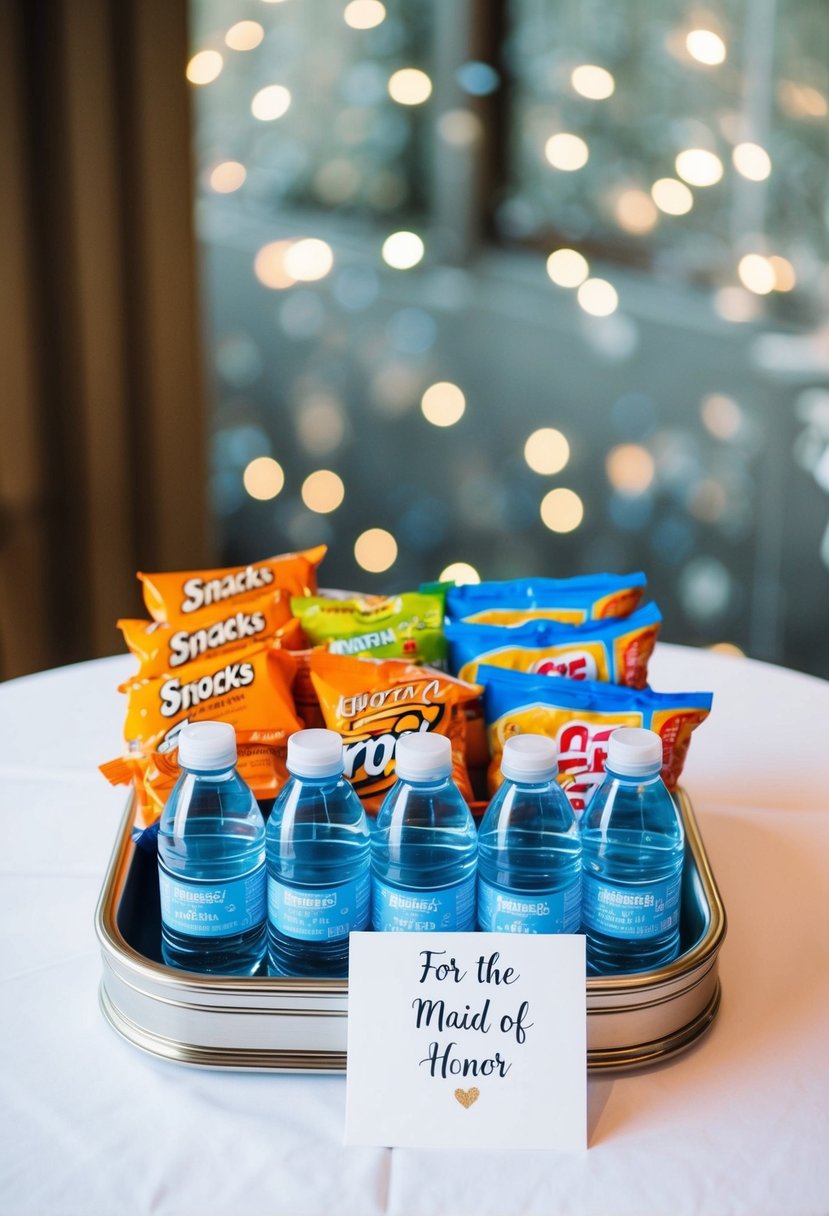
(467, 1040)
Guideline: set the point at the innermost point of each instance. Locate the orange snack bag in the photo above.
(372, 702)
(251, 689)
(262, 766)
(161, 648)
(179, 598)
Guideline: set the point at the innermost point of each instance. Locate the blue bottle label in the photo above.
(450, 909)
(525, 912)
(634, 911)
(211, 909)
(319, 914)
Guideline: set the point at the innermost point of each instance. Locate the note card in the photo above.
(467, 1040)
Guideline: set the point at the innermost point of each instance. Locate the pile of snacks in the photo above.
(260, 647)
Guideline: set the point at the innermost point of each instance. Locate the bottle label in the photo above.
(450, 909)
(319, 914)
(634, 911)
(525, 912)
(210, 909)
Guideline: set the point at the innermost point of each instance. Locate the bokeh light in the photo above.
(364, 14)
(756, 273)
(269, 266)
(785, 276)
(751, 161)
(204, 67)
(459, 572)
(566, 151)
(308, 260)
(403, 250)
(443, 403)
(598, 298)
(228, 176)
(671, 196)
(635, 211)
(698, 167)
(410, 87)
(546, 451)
(721, 415)
(263, 478)
(375, 550)
(592, 82)
(562, 510)
(630, 469)
(323, 491)
(244, 35)
(567, 267)
(270, 103)
(706, 47)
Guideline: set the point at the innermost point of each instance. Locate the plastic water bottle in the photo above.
(211, 860)
(424, 844)
(529, 852)
(632, 853)
(319, 885)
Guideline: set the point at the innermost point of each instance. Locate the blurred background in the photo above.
(460, 288)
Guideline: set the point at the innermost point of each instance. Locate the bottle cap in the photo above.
(423, 757)
(634, 752)
(207, 746)
(315, 753)
(529, 758)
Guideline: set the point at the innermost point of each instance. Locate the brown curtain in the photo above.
(102, 423)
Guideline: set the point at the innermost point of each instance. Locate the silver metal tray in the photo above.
(299, 1025)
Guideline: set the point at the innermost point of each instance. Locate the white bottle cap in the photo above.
(424, 757)
(529, 758)
(207, 746)
(634, 752)
(315, 753)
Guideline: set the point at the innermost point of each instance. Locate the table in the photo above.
(739, 1124)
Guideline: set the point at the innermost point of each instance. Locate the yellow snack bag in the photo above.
(372, 702)
(251, 689)
(180, 597)
(161, 648)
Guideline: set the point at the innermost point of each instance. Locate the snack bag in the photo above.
(616, 650)
(573, 601)
(179, 598)
(262, 766)
(580, 715)
(251, 689)
(161, 648)
(372, 702)
(408, 626)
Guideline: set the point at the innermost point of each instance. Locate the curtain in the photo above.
(103, 432)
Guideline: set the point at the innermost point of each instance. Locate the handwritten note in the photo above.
(467, 1040)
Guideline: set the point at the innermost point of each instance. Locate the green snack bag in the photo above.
(407, 626)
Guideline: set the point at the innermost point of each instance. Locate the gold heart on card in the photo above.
(467, 1096)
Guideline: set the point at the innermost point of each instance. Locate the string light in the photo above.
(410, 87)
(375, 550)
(204, 67)
(323, 491)
(706, 47)
(598, 298)
(566, 151)
(671, 196)
(699, 167)
(364, 14)
(459, 572)
(402, 250)
(751, 161)
(635, 212)
(567, 267)
(263, 478)
(308, 260)
(592, 82)
(562, 510)
(785, 278)
(228, 176)
(244, 35)
(630, 469)
(756, 273)
(546, 451)
(270, 103)
(443, 404)
(269, 266)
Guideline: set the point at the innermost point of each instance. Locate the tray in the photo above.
(299, 1025)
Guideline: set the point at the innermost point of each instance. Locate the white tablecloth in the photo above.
(739, 1124)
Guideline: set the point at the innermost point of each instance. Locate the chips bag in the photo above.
(581, 715)
(181, 598)
(615, 651)
(372, 702)
(251, 689)
(570, 600)
(262, 766)
(407, 626)
(161, 648)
